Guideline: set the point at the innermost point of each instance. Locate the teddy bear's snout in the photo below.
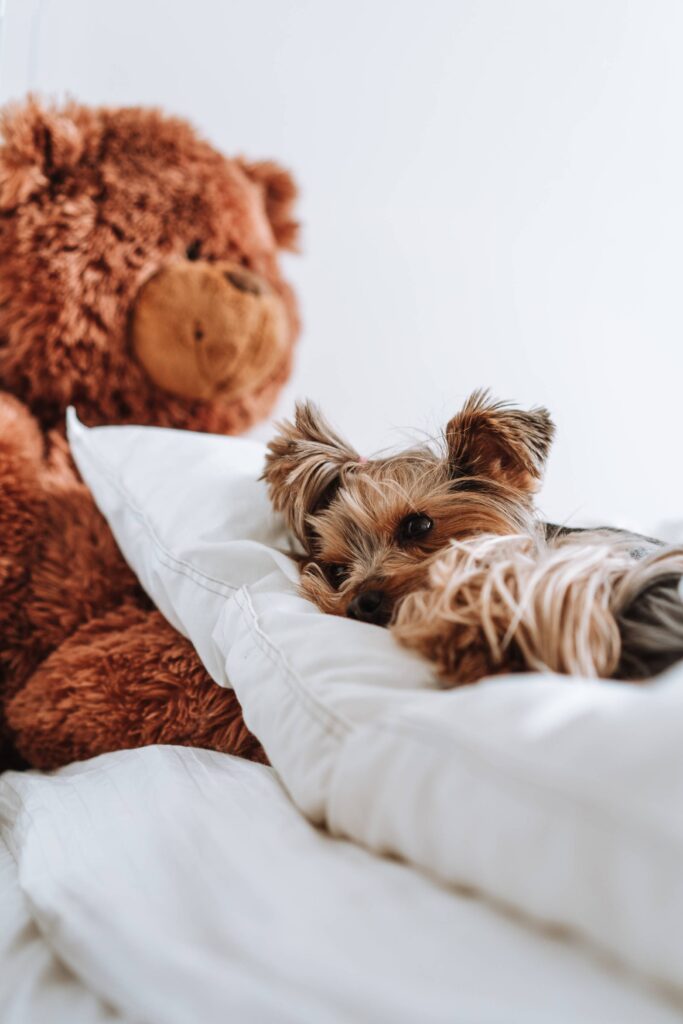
(208, 330)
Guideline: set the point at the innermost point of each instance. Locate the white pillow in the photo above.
(560, 797)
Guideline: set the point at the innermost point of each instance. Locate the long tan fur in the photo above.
(497, 604)
(444, 545)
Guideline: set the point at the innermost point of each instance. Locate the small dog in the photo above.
(448, 549)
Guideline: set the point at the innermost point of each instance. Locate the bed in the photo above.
(170, 885)
(506, 852)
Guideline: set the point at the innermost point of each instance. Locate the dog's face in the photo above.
(371, 528)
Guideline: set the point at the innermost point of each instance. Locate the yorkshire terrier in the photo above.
(446, 547)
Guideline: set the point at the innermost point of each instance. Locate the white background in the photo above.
(492, 194)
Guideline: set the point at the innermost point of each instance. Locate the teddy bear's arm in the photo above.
(127, 679)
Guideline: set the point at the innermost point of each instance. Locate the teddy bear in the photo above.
(139, 282)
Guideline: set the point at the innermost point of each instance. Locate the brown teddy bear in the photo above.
(139, 281)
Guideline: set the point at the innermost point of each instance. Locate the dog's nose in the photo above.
(369, 606)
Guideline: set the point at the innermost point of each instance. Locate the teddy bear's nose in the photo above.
(205, 330)
(244, 281)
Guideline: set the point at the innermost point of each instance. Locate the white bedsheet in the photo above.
(35, 985)
(559, 797)
(182, 886)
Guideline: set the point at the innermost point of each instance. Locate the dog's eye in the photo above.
(336, 575)
(414, 528)
(194, 250)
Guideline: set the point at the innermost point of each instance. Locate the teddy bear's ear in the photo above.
(279, 195)
(37, 144)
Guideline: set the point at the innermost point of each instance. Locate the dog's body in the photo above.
(448, 549)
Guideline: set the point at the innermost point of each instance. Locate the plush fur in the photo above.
(128, 245)
(93, 205)
(445, 545)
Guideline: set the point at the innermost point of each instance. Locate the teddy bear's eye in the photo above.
(194, 250)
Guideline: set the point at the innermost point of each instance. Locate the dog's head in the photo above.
(370, 528)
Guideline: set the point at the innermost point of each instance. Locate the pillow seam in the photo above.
(331, 722)
(107, 471)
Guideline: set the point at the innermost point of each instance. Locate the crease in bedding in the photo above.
(558, 797)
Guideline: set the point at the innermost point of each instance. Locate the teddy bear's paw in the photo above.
(126, 679)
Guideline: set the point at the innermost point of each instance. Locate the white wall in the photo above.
(492, 194)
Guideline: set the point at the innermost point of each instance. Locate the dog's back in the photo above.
(648, 603)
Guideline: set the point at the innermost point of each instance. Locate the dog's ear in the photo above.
(498, 442)
(304, 468)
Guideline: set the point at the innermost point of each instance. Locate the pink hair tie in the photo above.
(362, 459)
